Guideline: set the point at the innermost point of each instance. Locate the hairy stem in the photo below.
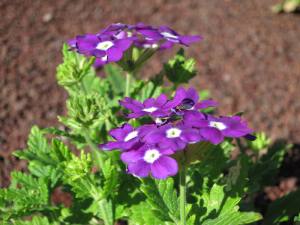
(182, 192)
(127, 85)
(97, 154)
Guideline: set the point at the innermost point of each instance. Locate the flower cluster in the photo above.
(110, 44)
(176, 123)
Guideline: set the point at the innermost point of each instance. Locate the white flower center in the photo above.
(169, 35)
(218, 125)
(151, 155)
(104, 58)
(150, 109)
(150, 45)
(158, 121)
(131, 135)
(173, 133)
(104, 45)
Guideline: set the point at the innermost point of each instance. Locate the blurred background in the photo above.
(249, 60)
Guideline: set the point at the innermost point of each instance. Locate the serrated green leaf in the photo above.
(223, 209)
(285, 207)
(73, 69)
(37, 148)
(237, 178)
(115, 76)
(36, 220)
(265, 169)
(179, 69)
(142, 214)
(162, 197)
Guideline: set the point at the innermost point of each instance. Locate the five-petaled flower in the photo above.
(150, 159)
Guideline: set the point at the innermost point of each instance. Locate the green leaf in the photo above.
(207, 159)
(223, 209)
(77, 174)
(115, 76)
(37, 148)
(84, 111)
(237, 179)
(260, 143)
(26, 195)
(180, 69)
(36, 220)
(45, 161)
(36, 143)
(142, 214)
(162, 197)
(103, 208)
(73, 69)
(297, 218)
(285, 207)
(265, 169)
(111, 175)
(62, 133)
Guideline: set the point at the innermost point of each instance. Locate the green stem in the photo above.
(96, 153)
(127, 85)
(83, 88)
(182, 193)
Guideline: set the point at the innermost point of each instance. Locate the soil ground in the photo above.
(249, 60)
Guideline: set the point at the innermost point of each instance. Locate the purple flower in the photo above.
(126, 137)
(188, 100)
(150, 159)
(214, 129)
(178, 123)
(151, 107)
(149, 36)
(118, 31)
(174, 137)
(72, 44)
(103, 48)
(172, 37)
(110, 43)
(164, 36)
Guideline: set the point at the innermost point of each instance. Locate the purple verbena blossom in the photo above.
(151, 107)
(126, 137)
(175, 137)
(103, 48)
(189, 100)
(215, 129)
(150, 159)
(171, 37)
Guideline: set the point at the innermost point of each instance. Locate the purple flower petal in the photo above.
(99, 62)
(110, 146)
(166, 45)
(131, 104)
(155, 137)
(195, 119)
(114, 54)
(162, 99)
(132, 156)
(164, 167)
(187, 40)
(123, 44)
(140, 168)
(191, 135)
(150, 33)
(206, 104)
(211, 134)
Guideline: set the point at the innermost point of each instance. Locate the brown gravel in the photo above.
(249, 59)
